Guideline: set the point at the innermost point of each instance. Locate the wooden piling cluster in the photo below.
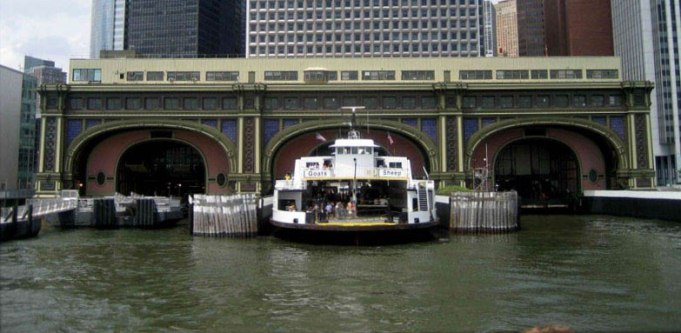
(484, 212)
(104, 213)
(225, 216)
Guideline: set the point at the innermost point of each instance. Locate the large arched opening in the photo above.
(161, 167)
(540, 170)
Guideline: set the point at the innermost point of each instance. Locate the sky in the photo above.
(55, 30)
(48, 29)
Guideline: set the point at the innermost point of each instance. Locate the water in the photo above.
(592, 273)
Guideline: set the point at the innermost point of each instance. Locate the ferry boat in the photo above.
(354, 191)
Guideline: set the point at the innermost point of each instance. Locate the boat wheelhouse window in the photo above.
(395, 165)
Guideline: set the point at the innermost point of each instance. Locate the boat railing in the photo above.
(288, 184)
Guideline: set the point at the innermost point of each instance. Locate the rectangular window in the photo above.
(525, 101)
(222, 76)
(94, 103)
(229, 103)
(475, 75)
(271, 103)
(615, 100)
(331, 103)
(133, 103)
(560, 101)
(566, 74)
(602, 74)
(151, 103)
(154, 76)
(210, 103)
(596, 100)
(512, 74)
(184, 76)
(350, 101)
(281, 75)
(378, 75)
(76, 103)
(370, 102)
(506, 102)
(113, 103)
(87, 74)
(319, 76)
(542, 101)
(428, 102)
(488, 102)
(408, 102)
(190, 103)
(135, 76)
(171, 103)
(311, 103)
(291, 103)
(540, 74)
(579, 101)
(470, 102)
(418, 75)
(389, 102)
(349, 75)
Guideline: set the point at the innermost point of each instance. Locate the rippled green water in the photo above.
(593, 273)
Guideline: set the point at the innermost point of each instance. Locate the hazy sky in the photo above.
(48, 29)
(56, 30)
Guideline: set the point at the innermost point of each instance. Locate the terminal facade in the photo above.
(546, 127)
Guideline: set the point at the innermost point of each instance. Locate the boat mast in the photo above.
(353, 133)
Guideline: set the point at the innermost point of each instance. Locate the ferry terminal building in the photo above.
(546, 127)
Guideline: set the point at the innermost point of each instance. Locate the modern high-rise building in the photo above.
(564, 28)
(489, 28)
(365, 28)
(31, 62)
(531, 32)
(171, 28)
(646, 37)
(507, 28)
(107, 26)
(183, 28)
(17, 125)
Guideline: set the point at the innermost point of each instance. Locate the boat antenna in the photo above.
(353, 134)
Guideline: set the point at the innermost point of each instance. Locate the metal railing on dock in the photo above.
(220, 216)
(484, 212)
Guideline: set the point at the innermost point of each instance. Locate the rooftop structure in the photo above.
(340, 71)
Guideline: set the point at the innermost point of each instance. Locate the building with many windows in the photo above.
(17, 125)
(365, 28)
(222, 125)
(646, 36)
(564, 28)
(489, 33)
(507, 28)
(172, 28)
(107, 27)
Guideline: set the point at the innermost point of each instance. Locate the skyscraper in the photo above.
(507, 28)
(646, 37)
(183, 28)
(107, 26)
(531, 32)
(564, 28)
(489, 28)
(171, 28)
(364, 28)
